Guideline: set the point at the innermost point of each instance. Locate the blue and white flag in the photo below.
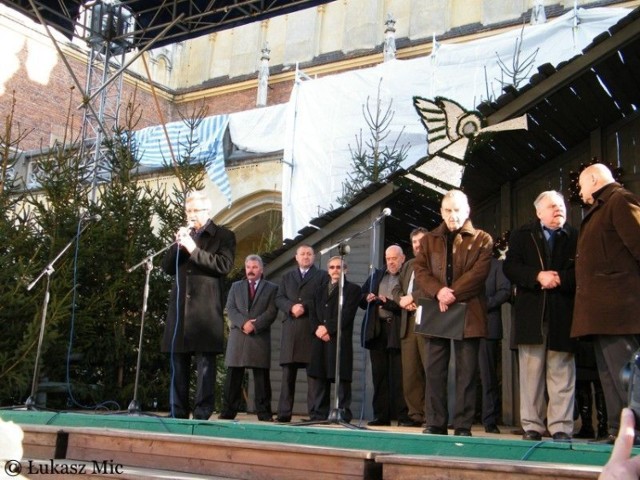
(207, 142)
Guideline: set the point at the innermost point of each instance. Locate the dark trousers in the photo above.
(612, 353)
(233, 391)
(320, 393)
(488, 362)
(388, 397)
(438, 356)
(288, 390)
(204, 402)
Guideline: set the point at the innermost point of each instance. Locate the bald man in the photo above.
(608, 281)
(381, 336)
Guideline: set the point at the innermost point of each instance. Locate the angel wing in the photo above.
(446, 122)
(450, 129)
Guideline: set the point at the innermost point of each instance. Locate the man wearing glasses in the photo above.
(324, 321)
(200, 258)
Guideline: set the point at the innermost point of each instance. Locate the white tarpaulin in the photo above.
(325, 115)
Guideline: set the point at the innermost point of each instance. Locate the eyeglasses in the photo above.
(197, 210)
(334, 267)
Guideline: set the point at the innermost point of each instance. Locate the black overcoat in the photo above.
(200, 282)
(295, 339)
(528, 254)
(323, 354)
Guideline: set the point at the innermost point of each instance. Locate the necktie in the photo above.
(552, 237)
(252, 289)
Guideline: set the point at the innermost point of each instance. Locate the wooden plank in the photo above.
(39, 441)
(407, 467)
(224, 457)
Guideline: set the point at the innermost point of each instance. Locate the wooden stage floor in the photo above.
(153, 446)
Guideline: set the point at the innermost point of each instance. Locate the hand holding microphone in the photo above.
(184, 239)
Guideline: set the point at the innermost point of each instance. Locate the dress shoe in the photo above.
(492, 428)
(433, 430)
(585, 432)
(265, 418)
(561, 437)
(407, 422)
(226, 416)
(462, 432)
(280, 419)
(532, 435)
(376, 422)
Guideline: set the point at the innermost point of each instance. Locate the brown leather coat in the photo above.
(608, 266)
(471, 263)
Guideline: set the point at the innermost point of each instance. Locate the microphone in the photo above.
(385, 213)
(93, 218)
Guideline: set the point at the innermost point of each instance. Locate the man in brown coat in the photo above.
(608, 281)
(451, 266)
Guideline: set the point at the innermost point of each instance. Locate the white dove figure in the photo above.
(450, 130)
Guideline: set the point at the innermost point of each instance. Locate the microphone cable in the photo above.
(172, 366)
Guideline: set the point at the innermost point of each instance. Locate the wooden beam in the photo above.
(567, 74)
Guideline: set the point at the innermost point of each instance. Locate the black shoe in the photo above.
(561, 437)
(407, 422)
(462, 432)
(585, 432)
(201, 416)
(532, 435)
(433, 430)
(379, 423)
(265, 418)
(492, 428)
(280, 419)
(226, 416)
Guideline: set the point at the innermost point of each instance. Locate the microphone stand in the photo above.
(336, 415)
(48, 270)
(147, 262)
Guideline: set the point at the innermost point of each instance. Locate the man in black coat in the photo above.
(541, 263)
(251, 308)
(381, 336)
(324, 321)
(497, 291)
(295, 299)
(199, 260)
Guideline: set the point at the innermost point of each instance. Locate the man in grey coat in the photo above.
(251, 310)
(295, 298)
(200, 258)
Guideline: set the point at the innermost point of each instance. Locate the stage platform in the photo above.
(122, 445)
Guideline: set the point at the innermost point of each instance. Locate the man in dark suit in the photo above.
(497, 291)
(251, 309)
(381, 336)
(200, 258)
(541, 263)
(324, 320)
(295, 299)
(414, 357)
